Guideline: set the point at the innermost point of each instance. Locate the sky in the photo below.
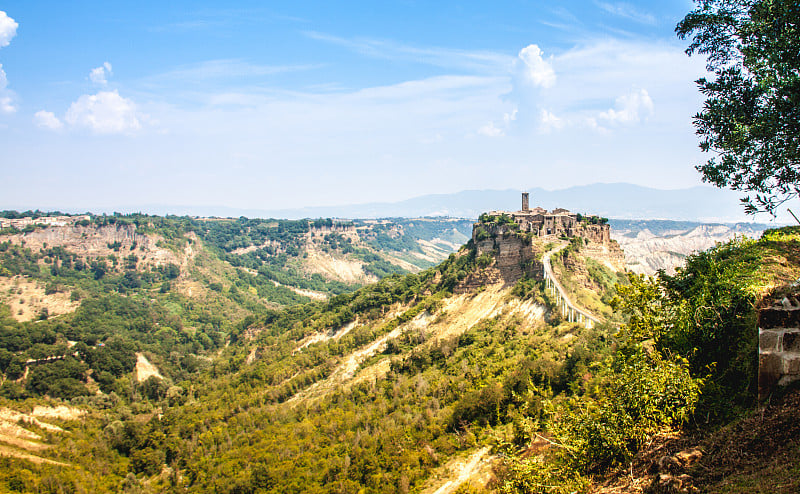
(274, 105)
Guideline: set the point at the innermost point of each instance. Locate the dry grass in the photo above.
(26, 299)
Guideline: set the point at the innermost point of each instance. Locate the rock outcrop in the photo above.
(92, 241)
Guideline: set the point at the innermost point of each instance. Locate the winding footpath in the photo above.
(568, 309)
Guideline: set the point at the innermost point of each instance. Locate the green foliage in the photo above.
(706, 313)
(59, 379)
(641, 395)
(535, 475)
(634, 395)
(485, 259)
(498, 220)
(749, 119)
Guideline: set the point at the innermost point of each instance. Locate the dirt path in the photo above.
(7, 415)
(476, 468)
(317, 337)
(349, 365)
(6, 451)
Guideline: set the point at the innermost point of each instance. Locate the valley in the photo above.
(654, 245)
(222, 355)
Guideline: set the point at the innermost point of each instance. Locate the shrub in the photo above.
(641, 394)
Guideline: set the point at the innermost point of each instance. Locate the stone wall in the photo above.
(778, 345)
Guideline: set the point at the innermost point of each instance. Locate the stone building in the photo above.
(557, 223)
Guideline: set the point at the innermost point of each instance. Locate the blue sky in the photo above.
(287, 104)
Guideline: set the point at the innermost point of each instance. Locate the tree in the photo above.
(751, 116)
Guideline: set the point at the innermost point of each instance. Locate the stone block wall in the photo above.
(778, 345)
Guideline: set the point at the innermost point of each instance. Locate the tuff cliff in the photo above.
(96, 241)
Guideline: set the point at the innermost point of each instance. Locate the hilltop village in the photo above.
(519, 239)
(556, 223)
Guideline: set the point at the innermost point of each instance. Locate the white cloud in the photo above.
(47, 120)
(6, 96)
(104, 113)
(548, 121)
(490, 130)
(99, 75)
(7, 104)
(630, 108)
(8, 29)
(537, 70)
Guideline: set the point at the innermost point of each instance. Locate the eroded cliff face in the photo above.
(516, 254)
(598, 234)
(513, 254)
(93, 241)
(607, 253)
(646, 252)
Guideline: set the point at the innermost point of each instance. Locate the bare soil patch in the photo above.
(60, 412)
(475, 469)
(26, 299)
(19, 442)
(145, 369)
(334, 268)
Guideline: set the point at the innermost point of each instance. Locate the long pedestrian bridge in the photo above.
(569, 310)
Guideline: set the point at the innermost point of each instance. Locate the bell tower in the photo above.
(525, 203)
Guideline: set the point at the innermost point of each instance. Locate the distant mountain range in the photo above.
(618, 200)
(622, 201)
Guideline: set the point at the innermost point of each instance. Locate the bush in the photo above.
(642, 394)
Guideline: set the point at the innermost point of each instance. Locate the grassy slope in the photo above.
(234, 428)
(454, 370)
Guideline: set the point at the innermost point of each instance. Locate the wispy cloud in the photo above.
(483, 61)
(627, 11)
(221, 19)
(224, 69)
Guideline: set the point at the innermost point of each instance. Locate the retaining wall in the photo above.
(778, 346)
